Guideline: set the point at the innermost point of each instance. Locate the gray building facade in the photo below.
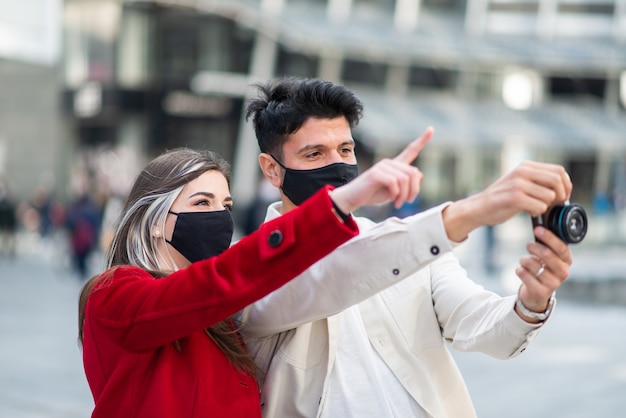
(501, 81)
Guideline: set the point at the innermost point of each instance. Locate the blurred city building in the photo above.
(30, 140)
(501, 81)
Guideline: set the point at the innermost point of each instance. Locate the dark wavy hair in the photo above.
(283, 105)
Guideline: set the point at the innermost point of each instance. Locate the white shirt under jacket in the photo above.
(413, 297)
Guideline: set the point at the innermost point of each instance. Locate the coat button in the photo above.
(275, 238)
(434, 250)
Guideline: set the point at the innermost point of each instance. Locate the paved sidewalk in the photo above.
(41, 371)
(41, 374)
(575, 368)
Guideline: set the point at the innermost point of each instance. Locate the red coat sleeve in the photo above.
(140, 312)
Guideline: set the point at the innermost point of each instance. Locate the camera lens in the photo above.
(568, 222)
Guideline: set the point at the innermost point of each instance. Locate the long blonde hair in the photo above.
(151, 197)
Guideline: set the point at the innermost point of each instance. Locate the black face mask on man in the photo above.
(299, 185)
(200, 235)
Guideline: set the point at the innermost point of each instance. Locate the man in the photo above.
(363, 332)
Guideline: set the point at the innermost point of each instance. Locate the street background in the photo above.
(93, 89)
(575, 368)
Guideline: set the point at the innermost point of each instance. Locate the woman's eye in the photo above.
(203, 203)
(228, 207)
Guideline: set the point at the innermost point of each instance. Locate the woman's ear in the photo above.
(271, 170)
(156, 232)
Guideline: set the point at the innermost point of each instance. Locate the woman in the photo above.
(155, 329)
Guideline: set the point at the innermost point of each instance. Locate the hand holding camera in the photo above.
(531, 187)
(567, 221)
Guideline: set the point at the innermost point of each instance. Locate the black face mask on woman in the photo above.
(200, 235)
(299, 185)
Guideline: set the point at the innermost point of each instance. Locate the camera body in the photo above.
(567, 221)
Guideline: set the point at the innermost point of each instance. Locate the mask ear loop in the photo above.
(165, 239)
(279, 163)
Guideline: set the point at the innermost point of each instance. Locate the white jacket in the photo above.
(413, 297)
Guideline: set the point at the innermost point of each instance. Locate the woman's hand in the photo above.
(394, 180)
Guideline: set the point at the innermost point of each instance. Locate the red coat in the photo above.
(133, 368)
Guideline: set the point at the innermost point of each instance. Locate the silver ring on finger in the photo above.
(541, 270)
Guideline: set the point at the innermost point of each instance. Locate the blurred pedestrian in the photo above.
(155, 327)
(8, 220)
(83, 225)
(43, 202)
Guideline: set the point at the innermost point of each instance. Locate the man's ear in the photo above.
(271, 170)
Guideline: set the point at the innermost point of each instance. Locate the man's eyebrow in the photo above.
(318, 146)
(310, 147)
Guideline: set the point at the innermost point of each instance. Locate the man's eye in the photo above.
(228, 207)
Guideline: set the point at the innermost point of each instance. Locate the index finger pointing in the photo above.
(411, 151)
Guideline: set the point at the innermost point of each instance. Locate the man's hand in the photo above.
(532, 187)
(394, 180)
(543, 270)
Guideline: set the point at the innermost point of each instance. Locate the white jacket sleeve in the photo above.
(380, 256)
(474, 319)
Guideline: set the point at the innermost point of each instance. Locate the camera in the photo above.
(567, 221)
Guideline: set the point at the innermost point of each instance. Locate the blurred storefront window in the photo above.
(136, 55)
(91, 29)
